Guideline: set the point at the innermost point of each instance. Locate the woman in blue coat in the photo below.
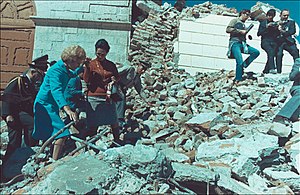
(50, 98)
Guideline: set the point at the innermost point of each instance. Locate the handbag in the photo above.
(116, 93)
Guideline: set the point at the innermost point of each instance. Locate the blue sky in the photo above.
(293, 6)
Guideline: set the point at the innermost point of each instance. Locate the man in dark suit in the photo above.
(268, 30)
(17, 109)
(285, 40)
(291, 110)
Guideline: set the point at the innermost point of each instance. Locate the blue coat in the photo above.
(74, 94)
(50, 99)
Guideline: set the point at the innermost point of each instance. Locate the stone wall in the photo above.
(60, 24)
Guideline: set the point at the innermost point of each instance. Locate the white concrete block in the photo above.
(185, 36)
(185, 60)
(213, 29)
(199, 61)
(205, 39)
(190, 26)
(214, 51)
(187, 48)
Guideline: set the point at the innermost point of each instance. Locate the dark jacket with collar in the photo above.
(267, 33)
(18, 96)
(290, 29)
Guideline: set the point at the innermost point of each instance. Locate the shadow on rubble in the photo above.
(250, 75)
(133, 131)
(202, 188)
(13, 165)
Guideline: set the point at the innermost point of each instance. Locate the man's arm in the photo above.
(139, 88)
(9, 100)
(262, 29)
(291, 29)
(231, 28)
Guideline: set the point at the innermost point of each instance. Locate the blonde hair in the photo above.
(73, 53)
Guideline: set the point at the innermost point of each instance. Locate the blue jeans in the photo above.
(237, 50)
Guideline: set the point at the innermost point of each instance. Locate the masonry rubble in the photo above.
(203, 134)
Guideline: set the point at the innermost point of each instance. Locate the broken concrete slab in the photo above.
(186, 172)
(289, 177)
(87, 170)
(174, 156)
(129, 183)
(202, 119)
(280, 130)
(292, 147)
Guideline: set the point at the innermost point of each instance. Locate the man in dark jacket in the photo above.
(285, 40)
(291, 110)
(268, 30)
(17, 109)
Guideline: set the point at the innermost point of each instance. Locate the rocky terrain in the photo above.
(202, 135)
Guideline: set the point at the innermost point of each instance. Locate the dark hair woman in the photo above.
(100, 75)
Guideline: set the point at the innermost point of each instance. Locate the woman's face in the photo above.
(75, 64)
(101, 54)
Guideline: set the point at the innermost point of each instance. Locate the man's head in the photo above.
(271, 14)
(143, 66)
(179, 6)
(40, 63)
(284, 15)
(244, 14)
(33, 74)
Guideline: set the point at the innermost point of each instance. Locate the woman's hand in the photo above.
(73, 115)
(86, 62)
(9, 118)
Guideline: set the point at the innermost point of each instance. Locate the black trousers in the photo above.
(291, 48)
(270, 47)
(23, 122)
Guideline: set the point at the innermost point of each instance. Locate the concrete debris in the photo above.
(202, 133)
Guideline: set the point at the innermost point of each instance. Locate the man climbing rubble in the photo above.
(131, 77)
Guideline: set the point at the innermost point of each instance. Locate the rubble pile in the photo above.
(202, 135)
(154, 38)
(206, 8)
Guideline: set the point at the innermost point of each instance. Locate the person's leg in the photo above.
(266, 46)
(120, 105)
(279, 57)
(57, 148)
(293, 50)
(237, 54)
(116, 132)
(28, 126)
(289, 109)
(272, 54)
(14, 137)
(254, 53)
